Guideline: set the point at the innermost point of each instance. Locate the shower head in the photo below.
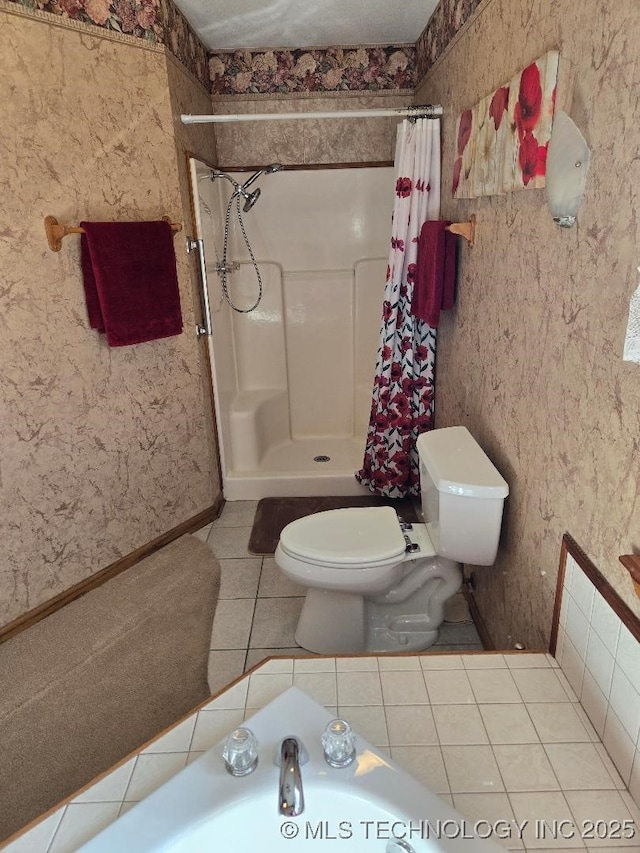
(267, 170)
(251, 198)
(241, 189)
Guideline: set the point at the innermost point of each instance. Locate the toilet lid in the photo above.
(346, 536)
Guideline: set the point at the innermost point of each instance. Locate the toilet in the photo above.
(377, 584)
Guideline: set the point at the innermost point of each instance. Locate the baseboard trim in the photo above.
(478, 621)
(77, 590)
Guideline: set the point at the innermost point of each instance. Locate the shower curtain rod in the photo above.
(419, 111)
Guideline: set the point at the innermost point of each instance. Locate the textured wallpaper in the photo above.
(348, 140)
(531, 359)
(152, 21)
(198, 140)
(102, 450)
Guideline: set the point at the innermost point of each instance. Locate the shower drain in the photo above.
(322, 459)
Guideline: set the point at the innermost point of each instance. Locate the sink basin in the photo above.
(364, 806)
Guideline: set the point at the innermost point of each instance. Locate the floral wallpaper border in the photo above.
(183, 43)
(157, 22)
(271, 72)
(357, 69)
(320, 70)
(448, 18)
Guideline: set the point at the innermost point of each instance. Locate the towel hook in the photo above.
(465, 229)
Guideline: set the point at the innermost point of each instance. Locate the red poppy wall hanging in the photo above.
(501, 143)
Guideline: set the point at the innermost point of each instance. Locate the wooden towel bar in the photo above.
(631, 562)
(56, 232)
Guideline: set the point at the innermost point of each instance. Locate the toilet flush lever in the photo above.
(410, 547)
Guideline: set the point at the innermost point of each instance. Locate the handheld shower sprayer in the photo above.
(266, 170)
(241, 189)
(250, 198)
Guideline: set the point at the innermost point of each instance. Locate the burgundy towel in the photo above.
(435, 280)
(130, 281)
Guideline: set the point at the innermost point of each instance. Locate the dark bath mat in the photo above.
(272, 514)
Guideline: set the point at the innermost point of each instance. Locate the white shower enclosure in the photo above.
(293, 378)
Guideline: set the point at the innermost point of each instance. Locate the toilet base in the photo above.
(383, 639)
(332, 623)
(338, 623)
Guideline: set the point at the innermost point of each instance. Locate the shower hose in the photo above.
(223, 268)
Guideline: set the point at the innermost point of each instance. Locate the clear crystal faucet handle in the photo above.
(240, 752)
(339, 743)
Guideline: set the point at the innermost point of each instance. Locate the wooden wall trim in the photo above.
(79, 589)
(620, 608)
(557, 604)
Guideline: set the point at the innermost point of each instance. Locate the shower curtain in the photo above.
(402, 403)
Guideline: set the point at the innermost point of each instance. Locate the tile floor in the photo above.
(258, 607)
(512, 758)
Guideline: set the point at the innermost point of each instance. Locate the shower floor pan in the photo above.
(289, 470)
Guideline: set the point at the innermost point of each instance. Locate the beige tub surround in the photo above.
(531, 358)
(501, 737)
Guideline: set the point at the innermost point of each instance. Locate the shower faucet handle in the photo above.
(234, 266)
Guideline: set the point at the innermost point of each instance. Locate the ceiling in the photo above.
(255, 24)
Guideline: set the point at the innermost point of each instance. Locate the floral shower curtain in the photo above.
(402, 404)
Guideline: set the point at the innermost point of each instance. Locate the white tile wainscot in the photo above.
(501, 736)
(601, 660)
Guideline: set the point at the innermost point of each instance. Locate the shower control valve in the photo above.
(234, 266)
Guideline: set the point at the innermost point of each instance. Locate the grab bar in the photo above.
(198, 246)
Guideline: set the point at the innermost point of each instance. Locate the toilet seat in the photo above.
(355, 550)
(364, 537)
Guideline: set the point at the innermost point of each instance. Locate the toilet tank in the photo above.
(462, 496)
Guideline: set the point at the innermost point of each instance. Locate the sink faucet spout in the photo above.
(290, 793)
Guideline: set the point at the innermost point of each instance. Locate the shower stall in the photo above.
(292, 375)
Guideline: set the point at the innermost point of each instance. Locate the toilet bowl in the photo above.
(376, 584)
